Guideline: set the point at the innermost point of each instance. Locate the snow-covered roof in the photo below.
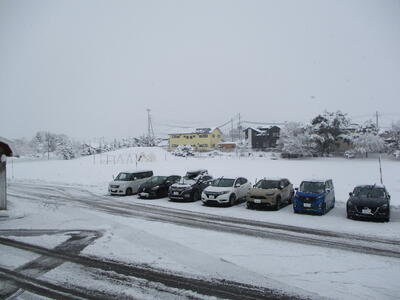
(273, 178)
(227, 143)
(10, 150)
(135, 171)
(252, 128)
(316, 179)
(197, 171)
(192, 130)
(269, 126)
(370, 185)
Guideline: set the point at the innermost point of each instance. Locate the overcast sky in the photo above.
(91, 68)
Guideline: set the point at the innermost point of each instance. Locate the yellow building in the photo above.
(202, 139)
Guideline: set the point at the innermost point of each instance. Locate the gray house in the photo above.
(262, 138)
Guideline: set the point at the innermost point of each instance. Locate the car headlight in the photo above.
(155, 188)
(224, 192)
(384, 206)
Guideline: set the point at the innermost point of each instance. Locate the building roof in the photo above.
(194, 131)
(7, 148)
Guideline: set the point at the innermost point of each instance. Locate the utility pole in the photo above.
(150, 131)
(377, 120)
(240, 129)
(232, 129)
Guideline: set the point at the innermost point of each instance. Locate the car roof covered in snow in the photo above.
(273, 178)
(371, 185)
(135, 171)
(197, 171)
(316, 179)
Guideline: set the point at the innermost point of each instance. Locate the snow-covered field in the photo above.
(307, 270)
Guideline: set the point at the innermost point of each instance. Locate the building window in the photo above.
(213, 135)
(203, 135)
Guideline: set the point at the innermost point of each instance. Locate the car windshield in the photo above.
(369, 192)
(312, 187)
(157, 179)
(267, 184)
(124, 176)
(223, 182)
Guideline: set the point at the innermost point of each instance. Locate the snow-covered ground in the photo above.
(95, 172)
(305, 269)
(98, 169)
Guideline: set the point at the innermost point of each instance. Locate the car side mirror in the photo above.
(281, 187)
(328, 190)
(237, 185)
(350, 194)
(296, 189)
(388, 196)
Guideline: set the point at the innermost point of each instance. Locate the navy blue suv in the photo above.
(314, 196)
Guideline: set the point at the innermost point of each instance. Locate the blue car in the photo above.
(314, 196)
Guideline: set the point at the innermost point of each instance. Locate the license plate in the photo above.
(307, 205)
(366, 211)
(257, 201)
(175, 193)
(144, 195)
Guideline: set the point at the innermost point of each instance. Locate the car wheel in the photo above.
(323, 209)
(128, 192)
(277, 204)
(290, 200)
(195, 195)
(333, 203)
(232, 200)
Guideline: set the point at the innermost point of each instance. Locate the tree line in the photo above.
(48, 145)
(332, 132)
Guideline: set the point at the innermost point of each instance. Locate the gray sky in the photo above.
(91, 68)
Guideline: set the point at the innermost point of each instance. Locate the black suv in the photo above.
(190, 186)
(157, 186)
(369, 202)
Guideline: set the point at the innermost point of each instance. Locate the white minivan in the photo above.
(127, 183)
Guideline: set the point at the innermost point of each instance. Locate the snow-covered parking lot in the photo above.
(338, 258)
